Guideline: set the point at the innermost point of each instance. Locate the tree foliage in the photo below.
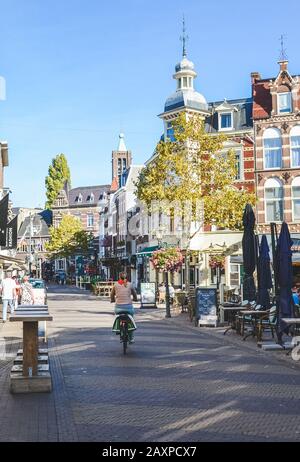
(195, 167)
(68, 238)
(58, 174)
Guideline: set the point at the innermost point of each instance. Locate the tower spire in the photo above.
(184, 38)
(283, 56)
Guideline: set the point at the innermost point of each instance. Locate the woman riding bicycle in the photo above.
(121, 295)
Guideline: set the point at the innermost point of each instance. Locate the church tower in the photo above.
(121, 161)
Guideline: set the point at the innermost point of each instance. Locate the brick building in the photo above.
(276, 118)
(82, 203)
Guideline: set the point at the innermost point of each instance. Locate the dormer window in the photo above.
(284, 102)
(225, 121)
(79, 197)
(92, 197)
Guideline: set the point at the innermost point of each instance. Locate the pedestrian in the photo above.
(8, 292)
(295, 295)
(18, 291)
(27, 295)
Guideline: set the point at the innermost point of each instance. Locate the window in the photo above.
(90, 220)
(92, 197)
(239, 167)
(295, 146)
(284, 102)
(296, 198)
(170, 132)
(272, 148)
(234, 274)
(79, 199)
(225, 121)
(274, 200)
(184, 82)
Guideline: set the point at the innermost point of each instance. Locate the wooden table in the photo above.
(30, 316)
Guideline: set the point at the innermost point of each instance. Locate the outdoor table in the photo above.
(232, 310)
(30, 316)
(292, 322)
(257, 314)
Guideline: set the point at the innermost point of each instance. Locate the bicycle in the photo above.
(123, 325)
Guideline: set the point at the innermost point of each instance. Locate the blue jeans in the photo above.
(7, 302)
(124, 309)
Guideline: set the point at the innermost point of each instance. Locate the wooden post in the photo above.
(30, 348)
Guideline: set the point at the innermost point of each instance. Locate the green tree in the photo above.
(58, 174)
(194, 168)
(68, 238)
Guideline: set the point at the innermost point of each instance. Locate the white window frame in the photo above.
(241, 155)
(89, 215)
(295, 182)
(273, 183)
(295, 131)
(289, 93)
(276, 137)
(220, 121)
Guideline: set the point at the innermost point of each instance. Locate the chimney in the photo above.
(255, 76)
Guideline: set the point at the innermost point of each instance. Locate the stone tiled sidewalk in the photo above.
(177, 383)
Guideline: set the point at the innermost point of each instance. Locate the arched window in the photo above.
(295, 145)
(296, 198)
(272, 148)
(274, 200)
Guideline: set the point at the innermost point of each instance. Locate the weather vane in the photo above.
(283, 55)
(184, 38)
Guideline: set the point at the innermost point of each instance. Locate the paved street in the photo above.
(177, 383)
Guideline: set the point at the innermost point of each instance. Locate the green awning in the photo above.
(148, 250)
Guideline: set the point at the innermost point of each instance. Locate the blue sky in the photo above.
(77, 72)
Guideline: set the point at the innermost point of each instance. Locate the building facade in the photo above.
(276, 118)
(84, 204)
(33, 235)
(230, 117)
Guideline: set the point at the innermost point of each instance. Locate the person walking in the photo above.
(8, 292)
(27, 296)
(121, 295)
(18, 291)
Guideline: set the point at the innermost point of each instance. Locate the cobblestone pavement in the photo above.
(177, 383)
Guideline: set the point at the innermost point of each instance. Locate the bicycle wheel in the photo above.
(125, 338)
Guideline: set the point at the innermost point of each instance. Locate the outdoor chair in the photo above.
(267, 323)
(182, 300)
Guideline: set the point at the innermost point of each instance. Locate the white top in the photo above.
(7, 287)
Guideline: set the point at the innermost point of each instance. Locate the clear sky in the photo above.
(77, 72)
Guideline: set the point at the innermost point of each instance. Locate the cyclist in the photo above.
(121, 295)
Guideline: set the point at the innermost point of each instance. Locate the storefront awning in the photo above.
(147, 250)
